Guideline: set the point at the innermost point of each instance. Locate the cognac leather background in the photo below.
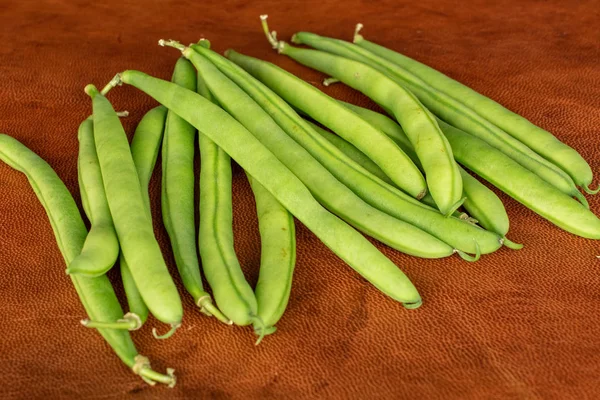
(515, 325)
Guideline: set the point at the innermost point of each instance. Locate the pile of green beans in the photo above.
(407, 179)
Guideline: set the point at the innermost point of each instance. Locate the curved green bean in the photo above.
(259, 162)
(442, 175)
(96, 294)
(277, 257)
(101, 247)
(522, 184)
(538, 139)
(376, 193)
(450, 109)
(324, 186)
(131, 215)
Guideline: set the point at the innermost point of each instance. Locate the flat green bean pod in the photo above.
(522, 184)
(101, 247)
(259, 162)
(177, 195)
(324, 186)
(538, 139)
(277, 257)
(442, 175)
(96, 294)
(220, 264)
(130, 213)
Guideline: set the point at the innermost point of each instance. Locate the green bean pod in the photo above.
(521, 184)
(324, 186)
(481, 203)
(538, 139)
(277, 257)
(96, 294)
(259, 162)
(376, 193)
(450, 109)
(101, 247)
(177, 195)
(144, 151)
(130, 214)
(442, 175)
(222, 269)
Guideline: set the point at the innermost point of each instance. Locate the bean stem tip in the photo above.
(357, 36)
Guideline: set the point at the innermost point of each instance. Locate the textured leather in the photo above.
(515, 325)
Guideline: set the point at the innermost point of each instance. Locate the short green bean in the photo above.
(277, 257)
(101, 247)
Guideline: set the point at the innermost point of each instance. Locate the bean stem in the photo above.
(130, 321)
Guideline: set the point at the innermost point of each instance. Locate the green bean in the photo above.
(277, 257)
(538, 139)
(177, 195)
(450, 109)
(130, 215)
(231, 291)
(144, 151)
(324, 186)
(482, 204)
(96, 294)
(521, 184)
(369, 188)
(442, 175)
(259, 162)
(487, 208)
(101, 247)
(222, 269)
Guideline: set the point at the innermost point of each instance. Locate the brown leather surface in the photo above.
(515, 325)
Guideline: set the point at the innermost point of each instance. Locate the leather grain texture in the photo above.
(515, 325)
